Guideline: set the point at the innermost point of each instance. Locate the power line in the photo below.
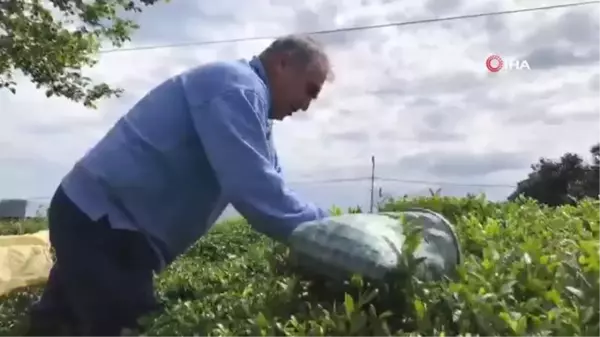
(327, 181)
(430, 182)
(400, 180)
(356, 179)
(350, 29)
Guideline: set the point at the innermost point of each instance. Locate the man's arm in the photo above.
(232, 131)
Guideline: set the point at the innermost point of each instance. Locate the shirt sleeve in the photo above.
(232, 129)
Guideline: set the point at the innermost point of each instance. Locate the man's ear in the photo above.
(278, 63)
(287, 60)
(282, 60)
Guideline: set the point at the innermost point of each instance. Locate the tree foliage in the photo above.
(50, 41)
(563, 181)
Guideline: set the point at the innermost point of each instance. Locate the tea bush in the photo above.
(528, 270)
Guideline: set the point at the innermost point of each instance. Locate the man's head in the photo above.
(297, 67)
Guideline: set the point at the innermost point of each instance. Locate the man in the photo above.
(162, 176)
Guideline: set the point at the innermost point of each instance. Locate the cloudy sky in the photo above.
(417, 97)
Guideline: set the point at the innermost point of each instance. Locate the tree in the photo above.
(595, 168)
(564, 181)
(52, 51)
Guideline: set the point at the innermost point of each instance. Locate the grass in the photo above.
(528, 270)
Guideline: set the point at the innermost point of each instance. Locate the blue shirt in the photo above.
(192, 145)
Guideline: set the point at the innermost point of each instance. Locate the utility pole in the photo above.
(372, 182)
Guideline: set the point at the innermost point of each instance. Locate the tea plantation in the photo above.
(528, 270)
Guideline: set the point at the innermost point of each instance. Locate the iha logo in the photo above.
(495, 63)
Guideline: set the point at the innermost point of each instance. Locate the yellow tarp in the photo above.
(25, 260)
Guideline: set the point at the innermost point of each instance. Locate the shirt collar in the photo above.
(259, 69)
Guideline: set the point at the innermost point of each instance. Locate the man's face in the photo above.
(294, 87)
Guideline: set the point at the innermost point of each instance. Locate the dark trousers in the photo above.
(101, 281)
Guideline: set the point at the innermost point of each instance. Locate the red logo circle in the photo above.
(494, 68)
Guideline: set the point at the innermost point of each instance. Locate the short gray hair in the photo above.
(303, 49)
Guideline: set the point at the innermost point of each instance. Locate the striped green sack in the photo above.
(369, 244)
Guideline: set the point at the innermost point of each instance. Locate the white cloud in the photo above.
(418, 97)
